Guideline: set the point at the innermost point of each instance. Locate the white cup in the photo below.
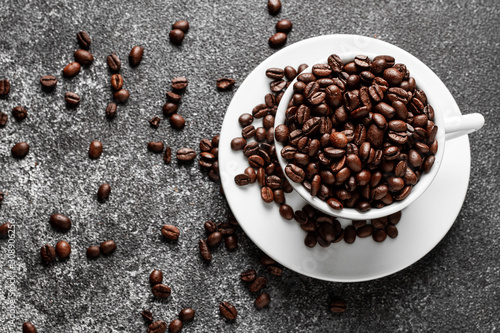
(448, 128)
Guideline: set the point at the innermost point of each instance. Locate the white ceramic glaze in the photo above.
(424, 222)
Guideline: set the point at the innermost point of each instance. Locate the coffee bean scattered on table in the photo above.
(186, 154)
(116, 81)
(284, 26)
(20, 150)
(83, 57)
(63, 249)
(167, 155)
(111, 110)
(248, 275)
(155, 147)
(277, 40)
(93, 251)
(155, 122)
(29, 328)
(175, 326)
(83, 40)
(147, 315)
(95, 149)
(170, 232)
(135, 56)
(338, 305)
(72, 69)
(4, 88)
(161, 290)
(179, 83)
(72, 99)
(225, 83)
(204, 250)
(274, 6)
(176, 36)
(177, 121)
(258, 284)
(47, 253)
(4, 229)
(48, 82)
(158, 326)
(114, 62)
(262, 301)
(4, 117)
(103, 192)
(186, 314)
(107, 247)
(121, 96)
(19, 113)
(181, 25)
(228, 311)
(156, 277)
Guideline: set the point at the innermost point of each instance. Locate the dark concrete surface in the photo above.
(455, 288)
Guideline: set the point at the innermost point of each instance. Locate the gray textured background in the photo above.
(454, 288)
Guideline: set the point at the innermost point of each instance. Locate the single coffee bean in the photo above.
(167, 155)
(95, 149)
(364, 231)
(170, 232)
(186, 154)
(181, 25)
(48, 253)
(286, 212)
(242, 179)
(4, 88)
(107, 247)
(111, 110)
(275, 270)
(248, 276)
(4, 229)
(154, 122)
(338, 305)
(349, 234)
(135, 56)
(156, 277)
(391, 231)
(277, 40)
(225, 83)
(116, 81)
(48, 82)
(204, 250)
(258, 284)
(72, 98)
(186, 314)
(59, 221)
(147, 315)
(83, 39)
(176, 36)
(29, 328)
(170, 108)
(179, 83)
(93, 251)
(379, 235)
(114, 62)
(72, 69)
(238, 143)
(205, 145)
(267, 194)
(173, 97)
(158, 326)
(175, 326)
(228, 311)
(231, 242)
(245, 119)
(103, 192)
(177, 121)
(290, 72)
(19, 113)
(214, 239)
(121, 96)
(284, 26)
(83, 57)
(3, 119)
(274, 6)
(63, 249)
(210, 227)
(262, 301)
(20, 150)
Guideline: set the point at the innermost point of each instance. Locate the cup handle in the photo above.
(456, 126)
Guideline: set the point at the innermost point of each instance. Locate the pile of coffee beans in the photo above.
(216, 233)
(48, 253)
(209, 154)
(178, 32)
(171, 107)
(358, 134)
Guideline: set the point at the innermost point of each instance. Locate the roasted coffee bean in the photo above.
(364, 231)
(154, 122)
(20, 150)
(175, 326)
(169, 109)
(258, 284)
(274, 6)
(284, 26)
(121, 96)
(103, 192)
(111, 110)
(205, 145)
(93, 252)
(274, 270)
(242, 179)
(167, 155)
(72, 69)
(267, 194)
(391, 231)
(59, 221)
(176, 36)
(186, 154)
(281, 133)
(116, 81)
(248, 276)
(177, 121)
(379, 235)
(394, 75)
(95, 149)
(173, 97)
(161, 290)
(19, 113)
(114, 62)
(83, 57)
(228, 311)
(275, 73)
(295, 173)
(181, 25)
(83, 39)
(170, 232)
(225, 83)
(277, 40)
(262, 301)
(4, 229)
(349, 234)
(29, 328)
(210, 227)
(48, 82)
(290, 72)
(231, 242)
(147, 315)
(71, 98)
(63, 249)
(156, 277)
(47, 253)
(179, 83)
(338, 305)
(158, 326)
(186, 314)
(107, 247)
(135, 56)
(214, 239)
(245, 119)
(321, 70)
(204, 250)
(286, 212)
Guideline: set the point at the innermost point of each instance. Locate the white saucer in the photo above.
(424, 223)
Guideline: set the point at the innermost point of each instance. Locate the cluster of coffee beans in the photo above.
(209, 154)
(159, 289)
(283, 27)
(358, 134)
(175, 326)
(48, 253)
(178, 32)
(171, 107)
(106, 248)
(216, 233)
